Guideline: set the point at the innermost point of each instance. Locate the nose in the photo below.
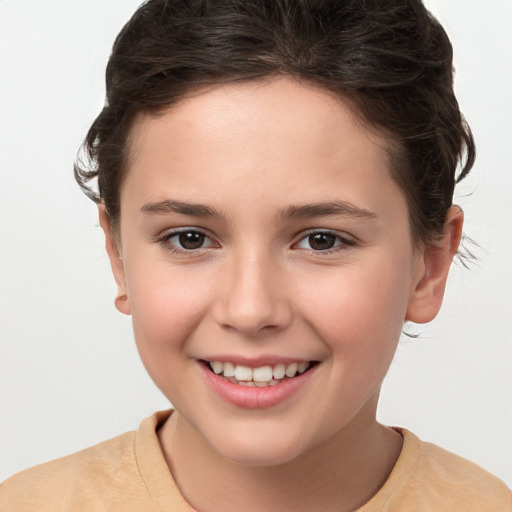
(253, 298)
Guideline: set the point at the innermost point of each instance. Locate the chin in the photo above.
(258, 450)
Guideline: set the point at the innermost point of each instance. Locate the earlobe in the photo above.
(112, 247)
(428, 289)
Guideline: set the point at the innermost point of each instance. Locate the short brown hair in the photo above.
(391, 59)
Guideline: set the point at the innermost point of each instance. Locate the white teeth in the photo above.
(291, 370)
(229, 370)
(301, 368)
(243, 373)
(261, 376)
(279, 371)
(217, 367)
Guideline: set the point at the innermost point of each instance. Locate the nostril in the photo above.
(253, 307)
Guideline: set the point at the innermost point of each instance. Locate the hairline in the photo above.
(394, 149)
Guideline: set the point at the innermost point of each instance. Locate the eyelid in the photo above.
(165, 237)
(345, 239)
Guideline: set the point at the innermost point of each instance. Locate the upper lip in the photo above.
(255, 362)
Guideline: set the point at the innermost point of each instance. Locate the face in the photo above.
(260, 230)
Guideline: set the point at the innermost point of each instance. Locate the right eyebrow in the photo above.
(172, 206)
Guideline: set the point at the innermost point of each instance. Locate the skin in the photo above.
(257, 288)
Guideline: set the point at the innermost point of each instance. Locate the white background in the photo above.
(70, 375)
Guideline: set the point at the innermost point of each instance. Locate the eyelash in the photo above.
(165, 240)
(343, 241)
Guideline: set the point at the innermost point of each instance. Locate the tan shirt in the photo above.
(129, 474)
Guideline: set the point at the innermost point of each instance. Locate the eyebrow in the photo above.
(331, 208)
(172, 206)
(322, 209)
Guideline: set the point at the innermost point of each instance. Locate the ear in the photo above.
(112, 245)
(428, 292)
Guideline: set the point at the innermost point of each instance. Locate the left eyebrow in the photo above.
(330, 208)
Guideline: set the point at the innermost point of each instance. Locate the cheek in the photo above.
(167, 304)
(359, 307)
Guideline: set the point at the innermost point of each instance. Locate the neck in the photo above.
(340, 474)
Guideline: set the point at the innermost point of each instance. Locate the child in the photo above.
(275, 186)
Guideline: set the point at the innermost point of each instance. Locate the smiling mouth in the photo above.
(263, 376)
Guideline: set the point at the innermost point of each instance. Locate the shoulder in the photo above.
(81, 481)
(463, 480)
(427, 477)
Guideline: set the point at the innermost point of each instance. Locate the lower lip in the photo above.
(253, 397)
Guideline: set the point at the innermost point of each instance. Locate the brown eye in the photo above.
(185, 241)
(325, 242)
(322, 241)
(191, 240)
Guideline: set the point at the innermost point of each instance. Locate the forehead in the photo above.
(260, 100)
(274, 141)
